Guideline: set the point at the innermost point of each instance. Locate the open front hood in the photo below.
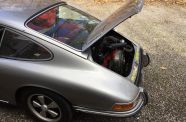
(130, 8)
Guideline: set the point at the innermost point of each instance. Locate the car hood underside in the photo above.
(130, 8)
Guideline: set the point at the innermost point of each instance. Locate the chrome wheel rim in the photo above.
(44, 108)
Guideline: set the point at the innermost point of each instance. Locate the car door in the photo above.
(17, 52)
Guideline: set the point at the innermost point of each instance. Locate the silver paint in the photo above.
(70, 74)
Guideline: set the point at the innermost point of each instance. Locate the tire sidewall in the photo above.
(65, 107)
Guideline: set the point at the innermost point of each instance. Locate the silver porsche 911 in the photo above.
(56, 59)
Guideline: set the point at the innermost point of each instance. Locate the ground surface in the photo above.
(167, 2)
(162, 33)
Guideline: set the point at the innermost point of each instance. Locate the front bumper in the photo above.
(144, 61)
(142, 102)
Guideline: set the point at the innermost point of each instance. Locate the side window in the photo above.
(17, 46)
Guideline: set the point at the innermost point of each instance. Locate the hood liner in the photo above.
(130, 8)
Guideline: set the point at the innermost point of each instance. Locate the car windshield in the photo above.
(65, 24)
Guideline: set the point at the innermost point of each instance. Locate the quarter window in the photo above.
(14, 45)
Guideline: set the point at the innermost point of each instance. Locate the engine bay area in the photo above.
(115, 53)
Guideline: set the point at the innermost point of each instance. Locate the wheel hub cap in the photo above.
(44, 108)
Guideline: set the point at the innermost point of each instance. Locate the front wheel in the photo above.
(46, 106)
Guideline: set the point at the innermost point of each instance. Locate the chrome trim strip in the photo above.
(132, 112)
(2, 36)
(3, 101)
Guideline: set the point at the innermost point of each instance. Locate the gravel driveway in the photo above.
(161, 31)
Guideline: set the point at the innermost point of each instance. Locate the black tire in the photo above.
(66, 111)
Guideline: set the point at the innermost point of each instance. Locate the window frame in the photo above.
(29, 39)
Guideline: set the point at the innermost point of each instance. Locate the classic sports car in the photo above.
(56, 59)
